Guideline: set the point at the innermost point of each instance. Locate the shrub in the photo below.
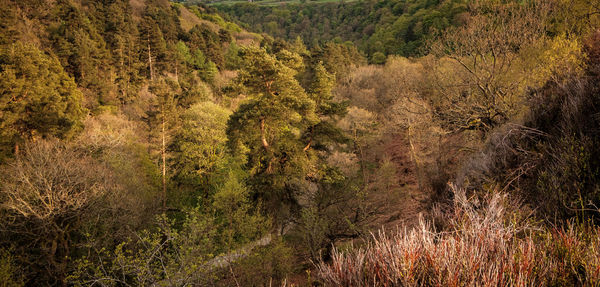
(9, 276)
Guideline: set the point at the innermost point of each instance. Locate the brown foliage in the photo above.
(487, 50)
(44, 194)
(482, 248)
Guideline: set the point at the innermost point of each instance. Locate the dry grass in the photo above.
(486, 246)
(137, 7)
(245, 38)
(189, 20)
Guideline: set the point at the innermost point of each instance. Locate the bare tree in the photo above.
(487, 53)
(43, 196)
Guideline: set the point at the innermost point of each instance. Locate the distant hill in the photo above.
(261, 2)
(378, 28)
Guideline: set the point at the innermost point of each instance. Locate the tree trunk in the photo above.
(414, 156)
(263, 137)
(150, 60)
(164, 162)
(309, 140)
(176, 73)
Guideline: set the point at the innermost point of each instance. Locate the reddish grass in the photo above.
(486, 246)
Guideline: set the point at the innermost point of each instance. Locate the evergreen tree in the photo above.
(269, 126)
(154, 48)
(37, 97)
(162, 119)
(81, 49)
(325, 132)
(122, 37)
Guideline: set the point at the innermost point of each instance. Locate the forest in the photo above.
(313, 143)
(377, 28)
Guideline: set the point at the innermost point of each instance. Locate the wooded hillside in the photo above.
(155, 143)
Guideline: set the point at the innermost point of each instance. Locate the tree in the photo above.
(82, 50)
(154, 47)
(233, 61)
(37, 98)
(122, 36)
(325, 133)
(162, 120)
(210, 238)
(183, 57)
(487, 52)
(268, 127)
(44, 195)
(199, 148)
(207, 70)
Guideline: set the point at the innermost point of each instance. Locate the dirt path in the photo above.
(226, 259)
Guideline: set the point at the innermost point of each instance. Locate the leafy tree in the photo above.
(190, 254)
(487, 53)
(199, 148)
(268, 128)
(37, 97)
(388, 27)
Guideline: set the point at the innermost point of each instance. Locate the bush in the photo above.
(9, 276)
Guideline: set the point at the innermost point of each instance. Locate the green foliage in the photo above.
(378, 58)
(9, 273)
(176, 256)
(81, 48)
(202, 37)
(199, 148)
(269, 125)
(220, 132)
(271, 264)
(121, 36)
(551, 161)
(268, 128)
(388, 27)
(339, 59)
(37, 98)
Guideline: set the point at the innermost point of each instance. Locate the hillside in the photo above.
(378, 28)
(311, 143)
(258, 2)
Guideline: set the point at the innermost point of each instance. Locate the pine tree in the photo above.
(81, 49)
(162, 119)
(325, 132)
(37, 97)
(268, 128)
(122, 36)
